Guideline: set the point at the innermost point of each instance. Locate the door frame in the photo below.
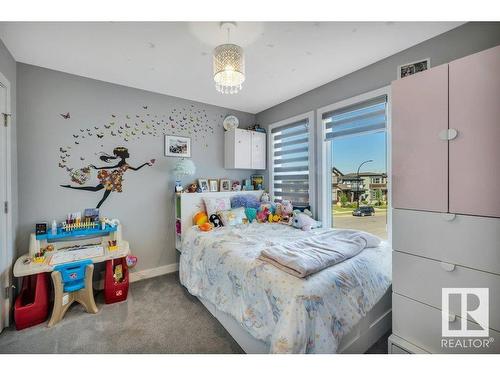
(324, 161)
(9, 248)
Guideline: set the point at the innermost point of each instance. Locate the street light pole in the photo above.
(357, 178)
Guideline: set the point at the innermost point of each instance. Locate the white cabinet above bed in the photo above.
(244, 149)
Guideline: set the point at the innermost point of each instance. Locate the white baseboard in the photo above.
(142, 275)
(153, 272)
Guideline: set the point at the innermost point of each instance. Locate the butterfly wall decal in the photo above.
(65, 115)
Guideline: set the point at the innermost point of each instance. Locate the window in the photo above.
(356, 160)
(290, 160)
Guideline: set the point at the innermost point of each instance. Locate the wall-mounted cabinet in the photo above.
(244, 149)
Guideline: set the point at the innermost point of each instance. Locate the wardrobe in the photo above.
(446, 201)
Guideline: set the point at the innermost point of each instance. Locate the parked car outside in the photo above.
(364, 211)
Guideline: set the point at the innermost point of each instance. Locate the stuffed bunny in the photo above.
(304, 222)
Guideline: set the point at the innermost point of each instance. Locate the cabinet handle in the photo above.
(448, 217)
(448, 134)
(448, 267)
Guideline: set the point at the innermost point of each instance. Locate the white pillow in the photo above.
(212, 205)
(236, 216)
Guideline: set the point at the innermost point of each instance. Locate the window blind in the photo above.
(361, 117)
(291, 163)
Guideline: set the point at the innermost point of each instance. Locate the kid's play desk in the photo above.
(75, 239)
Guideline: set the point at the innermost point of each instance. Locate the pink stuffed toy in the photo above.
(262, 215)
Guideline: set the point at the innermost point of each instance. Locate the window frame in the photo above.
(309, 116)
(324, 160)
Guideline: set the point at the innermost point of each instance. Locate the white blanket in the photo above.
(310, 255)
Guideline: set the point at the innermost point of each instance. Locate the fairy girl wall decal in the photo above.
(111, 181)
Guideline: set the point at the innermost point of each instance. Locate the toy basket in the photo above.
(32, 304)
(116, 291)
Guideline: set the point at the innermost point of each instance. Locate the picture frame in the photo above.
(203, 184)
(225, 185)
(177, 146)
(213, 184)
(413, 67)
(257, 181)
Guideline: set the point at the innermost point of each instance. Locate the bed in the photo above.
(342, 309)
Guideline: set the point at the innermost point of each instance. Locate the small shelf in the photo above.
(61, 235)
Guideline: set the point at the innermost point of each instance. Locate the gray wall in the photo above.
(145, 207)
(459, 42)
(8, 69)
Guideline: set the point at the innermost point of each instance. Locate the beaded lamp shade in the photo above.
(229, 68)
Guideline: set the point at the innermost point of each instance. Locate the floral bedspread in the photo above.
(293, 315)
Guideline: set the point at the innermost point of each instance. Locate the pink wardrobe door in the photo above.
(419, 156)
(475, 152)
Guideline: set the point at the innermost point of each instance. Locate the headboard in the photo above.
(187, 204)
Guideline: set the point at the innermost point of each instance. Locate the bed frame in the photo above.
(367, 332)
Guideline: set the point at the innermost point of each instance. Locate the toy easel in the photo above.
(82, 294)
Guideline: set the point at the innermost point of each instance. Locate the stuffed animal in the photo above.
(262, 215)
(200, 218)
(205, 227)
(304, 222)
(274, 218)
(192, 188)
(236, 186)
(215, 221)
(265, 197)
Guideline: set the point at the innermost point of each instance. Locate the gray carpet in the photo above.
(160, 316)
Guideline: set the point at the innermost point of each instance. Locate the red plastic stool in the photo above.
(32, 304)
(115, 291)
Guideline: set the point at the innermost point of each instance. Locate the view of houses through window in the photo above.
(357, 141)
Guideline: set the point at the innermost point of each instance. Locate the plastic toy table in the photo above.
(21, 269)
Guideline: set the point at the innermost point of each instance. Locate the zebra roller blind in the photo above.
(291, 162)
(362, 117)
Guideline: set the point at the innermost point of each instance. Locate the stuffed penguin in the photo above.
(215, 220)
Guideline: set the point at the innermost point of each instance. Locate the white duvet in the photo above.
(293, 315)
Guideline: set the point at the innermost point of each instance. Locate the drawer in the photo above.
(423, 279)
(420, 324)
(459, 239)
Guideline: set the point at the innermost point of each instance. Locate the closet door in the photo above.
(475, 152)
(419, 156)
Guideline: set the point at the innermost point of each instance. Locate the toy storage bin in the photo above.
(116, 291)
(32, 304)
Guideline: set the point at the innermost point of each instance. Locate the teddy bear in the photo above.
(192, 188)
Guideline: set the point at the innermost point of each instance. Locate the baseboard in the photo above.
(153, 272)
(142, 275)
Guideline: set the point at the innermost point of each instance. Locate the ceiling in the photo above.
(283, 59)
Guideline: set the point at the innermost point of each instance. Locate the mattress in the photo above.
(292, 315)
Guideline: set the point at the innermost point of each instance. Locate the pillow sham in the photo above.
(212, 205)
(233, 217)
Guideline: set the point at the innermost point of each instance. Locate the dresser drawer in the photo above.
(420, 324)
(423, 279)
(459, 239)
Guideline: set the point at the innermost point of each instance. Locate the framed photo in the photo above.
(411, 68)
(257, 181)
(225, 185)
(177, 146)
(214, 185)
(203, 184)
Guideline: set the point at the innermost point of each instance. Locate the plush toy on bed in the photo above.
(265, 197)
(215, 220)
(263, 214)
(304, 222)
(285, 210)
(274, 218)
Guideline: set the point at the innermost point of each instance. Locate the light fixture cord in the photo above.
(228, 34)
